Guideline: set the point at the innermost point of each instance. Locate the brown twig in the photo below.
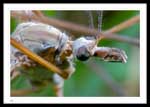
(38, 13)
(80, 28)
(122, 38)
(38, 59)
(21, 92)
(123, 25)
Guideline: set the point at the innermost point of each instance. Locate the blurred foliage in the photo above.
(85, 82)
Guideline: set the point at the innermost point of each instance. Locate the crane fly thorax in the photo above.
(46, 41)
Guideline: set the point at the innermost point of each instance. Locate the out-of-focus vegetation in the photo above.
(85, 81)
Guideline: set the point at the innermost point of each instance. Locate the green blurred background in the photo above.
(96, 77)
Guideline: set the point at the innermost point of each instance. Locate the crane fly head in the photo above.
(83, 48)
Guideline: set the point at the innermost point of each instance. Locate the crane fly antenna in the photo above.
(90, 21)
(100, 17)
(99, 21)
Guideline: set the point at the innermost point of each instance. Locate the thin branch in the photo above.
(38, 59)
(124, 25)
(38, 13)
(22, 92)
(79, 28)
(122, 38)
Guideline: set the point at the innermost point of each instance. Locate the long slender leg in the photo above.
(58, 90)
(58, 85)
(111, 54)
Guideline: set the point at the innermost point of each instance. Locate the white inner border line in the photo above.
(143, 77)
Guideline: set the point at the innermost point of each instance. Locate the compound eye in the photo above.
(83, 54)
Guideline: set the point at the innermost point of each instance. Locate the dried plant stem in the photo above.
(122, 38)
(38, 59)
(81, 29)
(21, 92)
(38, 13)
(123, 25)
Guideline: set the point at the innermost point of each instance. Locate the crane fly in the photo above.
(57, 47)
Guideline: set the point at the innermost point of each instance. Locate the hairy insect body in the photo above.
(49, 43)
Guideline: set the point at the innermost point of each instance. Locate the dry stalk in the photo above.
(38, 59)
